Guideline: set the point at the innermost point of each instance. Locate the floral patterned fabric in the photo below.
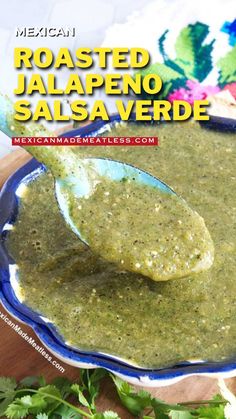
(183, 76)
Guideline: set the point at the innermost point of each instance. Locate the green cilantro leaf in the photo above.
(50, 390)
(106, 415)
(211, 412)
(29, 381)
(37, 404)
(7, 387)
(50, 401)
(174, 414)
(77, 390)
(96, 375)
(91, 378)
(90, 382)
(7, 393)
(28, 404)
(218, 398)
(63, 385)
(17, 409)
(4, 404)
(121, 386)
(66, 412)
(51, 396)
(160, 408)
(32, 381)
(159, 404)
(42, 416)
(110, 415)
(134, 402)
(161, 415)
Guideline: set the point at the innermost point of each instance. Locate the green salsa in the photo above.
(143, 229)
(140, 228)
(98, 306)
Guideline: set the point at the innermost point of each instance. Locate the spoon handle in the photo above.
(60, 160)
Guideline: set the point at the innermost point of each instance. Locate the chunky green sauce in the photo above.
(140, 228)
(97, 306)
(143, 229)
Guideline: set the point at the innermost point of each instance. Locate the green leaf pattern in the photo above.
(192, 61)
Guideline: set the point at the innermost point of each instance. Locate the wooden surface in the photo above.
(19, 359)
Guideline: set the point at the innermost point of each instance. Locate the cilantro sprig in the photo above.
(33, 397)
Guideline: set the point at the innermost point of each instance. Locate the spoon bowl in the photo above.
(110, 169)
(131, 238)
(88, 172)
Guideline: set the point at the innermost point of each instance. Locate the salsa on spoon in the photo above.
(123, 213)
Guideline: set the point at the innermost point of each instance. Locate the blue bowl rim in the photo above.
(46, 331)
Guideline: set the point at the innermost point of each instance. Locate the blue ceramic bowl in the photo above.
(46, 331)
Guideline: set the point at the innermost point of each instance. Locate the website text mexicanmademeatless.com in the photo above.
(31, 342)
